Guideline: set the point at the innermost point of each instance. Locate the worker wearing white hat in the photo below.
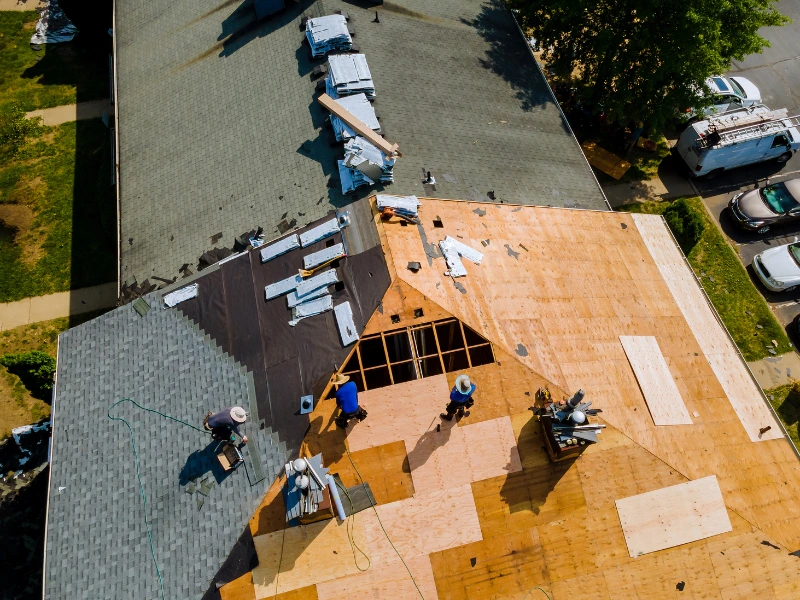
(226, 422)
(460, 398)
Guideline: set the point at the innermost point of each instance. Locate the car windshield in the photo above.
(794, 250)
(721, 84)
(778, 198)
(737, 89)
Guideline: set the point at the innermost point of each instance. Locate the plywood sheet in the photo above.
(305, 555)
(398, 412)
(240, 588)
(455, 456)
(422, 525)
(655, 380)
(673, 516)
(392, 580)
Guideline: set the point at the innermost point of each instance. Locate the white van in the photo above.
(738, 137)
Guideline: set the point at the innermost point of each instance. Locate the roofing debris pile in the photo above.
(364, 164)
(53, 26)
(453, 252)
(307, 292)
(328, 34)
(358, 106)
(349, 74)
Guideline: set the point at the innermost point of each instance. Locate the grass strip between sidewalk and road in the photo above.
(739, 304)
(785, 400)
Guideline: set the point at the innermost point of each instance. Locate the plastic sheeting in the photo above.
(53, 26)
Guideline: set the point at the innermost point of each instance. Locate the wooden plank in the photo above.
(390, 150)
(305, 555)
(607, 162)
(655, 380)
(673, 516)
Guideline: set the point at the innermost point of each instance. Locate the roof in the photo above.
(476, 508)
(228, 346)
(219, 131)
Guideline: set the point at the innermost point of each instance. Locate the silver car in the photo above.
(779, 268)
(761, 208)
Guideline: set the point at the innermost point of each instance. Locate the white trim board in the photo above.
(655, 380)
(673, 515)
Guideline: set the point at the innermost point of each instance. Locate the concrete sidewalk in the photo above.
(20, 4)
(73, 112)
(53, 306)
(669, 185)
(773, 371)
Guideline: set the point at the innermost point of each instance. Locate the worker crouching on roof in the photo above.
(347, 401)
(460, 398)
(225, 423)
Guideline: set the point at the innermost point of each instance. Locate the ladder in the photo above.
(724, 134)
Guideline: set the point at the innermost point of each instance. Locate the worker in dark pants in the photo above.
(347, 401)
(460, 398)
(225, 423)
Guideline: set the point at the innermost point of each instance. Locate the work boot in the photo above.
(446, 417)
(341, 424)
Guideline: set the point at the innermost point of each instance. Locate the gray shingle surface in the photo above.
(97, 543)
(211, 132)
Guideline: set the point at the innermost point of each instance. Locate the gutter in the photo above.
(561, 112)
(115, 100)
(50, 473)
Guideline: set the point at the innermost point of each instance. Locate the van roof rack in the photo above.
(732, 128)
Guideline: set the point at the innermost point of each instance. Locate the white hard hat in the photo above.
(301, 481)
(578, 416)
(463, 384)
(299, 464)
(238, 414)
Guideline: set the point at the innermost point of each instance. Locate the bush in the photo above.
(14, 129)
(35, 369)
(686, 225)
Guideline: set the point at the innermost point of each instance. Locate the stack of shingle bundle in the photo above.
(401, 205)
(328, 34)
(358, 106)
(349, 74)
(362, 156)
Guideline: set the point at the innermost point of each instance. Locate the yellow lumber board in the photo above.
(608, 162)
(656, 382)
(672, 516)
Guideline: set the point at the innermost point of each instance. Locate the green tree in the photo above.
(645, 59)
(35, 369)
(686, 225)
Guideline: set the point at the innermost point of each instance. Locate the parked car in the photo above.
(761, 208)
(729, 93)
(779, 268)
(736, 138)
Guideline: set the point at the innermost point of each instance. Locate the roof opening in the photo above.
(395, 318)
(339, 286)
(329, 243)
(418, 313)
(417, 351)
(438, 223)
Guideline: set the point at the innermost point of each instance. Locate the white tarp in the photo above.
(53, 26)
(173, 298)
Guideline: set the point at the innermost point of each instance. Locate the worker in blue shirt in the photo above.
(225, 423)
(460, 398)
(347, 401)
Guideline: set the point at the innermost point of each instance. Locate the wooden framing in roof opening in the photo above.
(416, 351)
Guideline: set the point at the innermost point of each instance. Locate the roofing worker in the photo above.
(460, 398)
(226, 422)
(347, 401)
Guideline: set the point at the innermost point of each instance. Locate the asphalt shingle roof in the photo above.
(97, 545)
(220, 131)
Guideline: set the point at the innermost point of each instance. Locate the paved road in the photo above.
(776, 72)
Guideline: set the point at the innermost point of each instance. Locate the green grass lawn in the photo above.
(644, 164)
(739, 304)
(786, 402)
(55, 75)
(57, 212)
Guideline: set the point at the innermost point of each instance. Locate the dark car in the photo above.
(761, 208)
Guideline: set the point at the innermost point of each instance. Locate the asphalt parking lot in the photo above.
(776, 72)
